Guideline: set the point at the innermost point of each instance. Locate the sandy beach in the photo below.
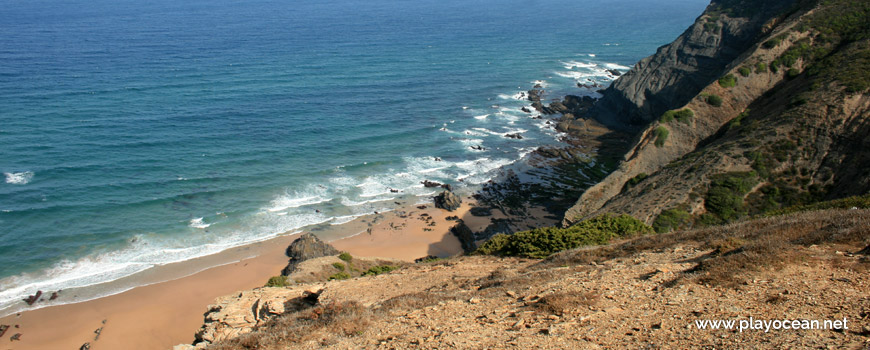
(161, 315)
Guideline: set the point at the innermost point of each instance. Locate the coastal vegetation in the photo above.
(728, 81)
(542, 242)
(278, 281)
(661, 135)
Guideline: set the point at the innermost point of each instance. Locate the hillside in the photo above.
(783, 122)
(642, 292)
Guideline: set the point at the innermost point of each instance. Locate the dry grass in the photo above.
(740, 249)
(322, 324)
(414, 301)
(558, 303)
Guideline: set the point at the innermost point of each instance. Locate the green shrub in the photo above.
(738, 119)
(761, 67)
(377, 270)
(339, 276)
(728, 81)
(278, 281)
(338, 266)
(725, 196)
(793, 73)
(774, 66)
(772, 43)
(744, 71)
(661, 134)
(671, 219)
(684, 115)
(345, 256)
(543, 242)
(714, 100)
(636, 180)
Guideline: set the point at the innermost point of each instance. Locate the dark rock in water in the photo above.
(478, 147)
(54, 295)
(3, 329)
(615, 72)
(465, 236)
(33, 298)
(524, 109)
(481, 211)
(430, 184)
(306, 247)
(392, 190)
(437, 159)
(516, 136)
(498, 226)
(448, 201)
(558, 107)
(425, 258)
(447, 187)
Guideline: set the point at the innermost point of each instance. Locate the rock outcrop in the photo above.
(448, 201)
(237, 314)
(465, 236)
(680, 70)
(306, 247)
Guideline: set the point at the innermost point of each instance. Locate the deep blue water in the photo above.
(136, 133)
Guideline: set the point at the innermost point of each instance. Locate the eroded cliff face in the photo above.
(782, 124)
(677, 72)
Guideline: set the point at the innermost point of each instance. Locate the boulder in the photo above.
(448, 201)
(306, 247)
(481, 211)
(498, 226)
(465, 236)
(430, 184)
(237, 314)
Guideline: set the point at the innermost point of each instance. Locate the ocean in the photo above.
(135, 134)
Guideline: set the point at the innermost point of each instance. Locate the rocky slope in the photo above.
(644, 292)
(781, 117)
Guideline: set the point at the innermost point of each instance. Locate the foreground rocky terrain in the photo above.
(647, 291)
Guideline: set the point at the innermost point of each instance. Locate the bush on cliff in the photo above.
(745, 71)
(278, 281)
(671, 219)
(724, 199)
(684, 115)
(540, 243)
(340, 276)
(377, 270)
(661, 134)
(714, 100)
(728, 81)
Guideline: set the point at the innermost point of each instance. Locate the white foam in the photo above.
(542, 83)
(481, 117)
(486, 131)
(309, 196)
(616, 66)
(198, 223)
(21, 178)
(577, 75)
(576, 64)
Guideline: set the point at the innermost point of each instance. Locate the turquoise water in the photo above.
(134, 134)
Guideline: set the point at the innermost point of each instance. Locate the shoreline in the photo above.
(165, 313)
